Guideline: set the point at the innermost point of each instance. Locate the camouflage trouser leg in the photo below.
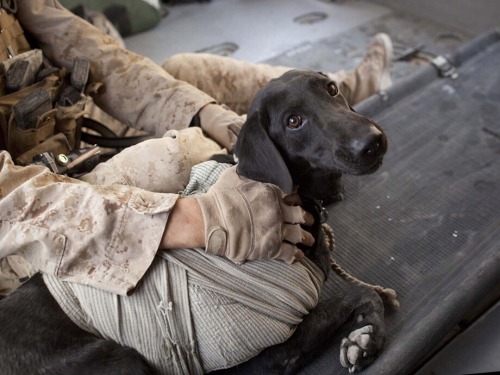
(160, 165)
(231, 82)
(234, 83)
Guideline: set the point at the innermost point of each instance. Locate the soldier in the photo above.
(86, 231)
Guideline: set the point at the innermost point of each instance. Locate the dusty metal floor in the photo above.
(313, 34)
(258, 29)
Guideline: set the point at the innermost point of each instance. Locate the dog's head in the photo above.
(301, 131)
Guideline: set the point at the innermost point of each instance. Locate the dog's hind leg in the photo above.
(36, 337)
(361, 309)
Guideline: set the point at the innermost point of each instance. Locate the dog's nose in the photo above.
(369, 145)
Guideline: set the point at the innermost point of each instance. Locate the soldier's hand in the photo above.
(248, 220)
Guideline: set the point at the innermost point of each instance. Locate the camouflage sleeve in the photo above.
(105, 236)
(138, 92)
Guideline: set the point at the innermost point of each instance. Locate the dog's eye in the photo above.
(332, 89)
(294, 121)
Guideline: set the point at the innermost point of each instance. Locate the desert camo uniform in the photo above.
(48, 219)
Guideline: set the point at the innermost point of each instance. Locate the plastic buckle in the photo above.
(444, 67)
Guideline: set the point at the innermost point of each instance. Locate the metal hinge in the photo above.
(444, 67)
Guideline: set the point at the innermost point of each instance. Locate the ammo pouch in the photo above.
(43, 108)
(43, 124)
(33, 117)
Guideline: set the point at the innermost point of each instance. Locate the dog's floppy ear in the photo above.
(258, 157)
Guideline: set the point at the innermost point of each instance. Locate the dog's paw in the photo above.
(359, 349)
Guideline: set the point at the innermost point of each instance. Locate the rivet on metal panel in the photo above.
(310, 18)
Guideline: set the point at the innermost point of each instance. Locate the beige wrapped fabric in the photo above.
(195, 312)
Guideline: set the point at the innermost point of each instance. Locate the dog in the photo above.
(300, 134)
(300, 131)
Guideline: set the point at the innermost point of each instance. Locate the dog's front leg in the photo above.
(363, 312)
(366, 333)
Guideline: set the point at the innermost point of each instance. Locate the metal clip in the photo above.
(323, 215)
(75, 163)
(444, 67)
(10, 52)
(9, 5)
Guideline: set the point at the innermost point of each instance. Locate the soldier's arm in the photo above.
(185, 227)
(106, 236)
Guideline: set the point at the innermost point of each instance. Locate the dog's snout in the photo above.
(370, 145)
(373, 145)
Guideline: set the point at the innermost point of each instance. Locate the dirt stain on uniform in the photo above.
(123, 250)
(110, 206)
(86, 225)
(35, 212)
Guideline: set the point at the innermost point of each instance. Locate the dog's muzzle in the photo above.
(363, 155)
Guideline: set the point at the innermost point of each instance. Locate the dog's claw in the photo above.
(355, 350)
(344, 361)
(363, 330)
(353, 353)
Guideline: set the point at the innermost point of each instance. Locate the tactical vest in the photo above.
(43, 108)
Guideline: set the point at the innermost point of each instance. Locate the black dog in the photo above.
(299, 132)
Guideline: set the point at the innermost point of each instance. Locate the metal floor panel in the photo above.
(346, 50)
(261, 29)
(265, 31)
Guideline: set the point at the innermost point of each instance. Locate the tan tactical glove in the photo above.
(248, 220)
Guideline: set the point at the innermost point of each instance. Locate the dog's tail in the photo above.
(388, 295)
